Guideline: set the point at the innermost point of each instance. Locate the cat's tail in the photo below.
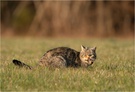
(21, 64)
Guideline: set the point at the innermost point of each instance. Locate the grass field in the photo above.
(112, 71)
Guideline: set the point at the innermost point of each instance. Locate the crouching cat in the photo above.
(65, 57)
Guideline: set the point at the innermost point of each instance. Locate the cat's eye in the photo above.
(90, 54)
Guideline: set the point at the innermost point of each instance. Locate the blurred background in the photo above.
(67, 18)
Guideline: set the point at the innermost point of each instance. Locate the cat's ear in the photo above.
(94, 48)
(82, 48)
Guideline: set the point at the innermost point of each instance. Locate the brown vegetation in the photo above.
(67, 18)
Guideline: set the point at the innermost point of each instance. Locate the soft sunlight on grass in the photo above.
(112, 71)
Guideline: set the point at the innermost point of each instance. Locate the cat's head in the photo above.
(88, 55)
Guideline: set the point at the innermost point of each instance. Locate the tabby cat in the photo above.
(65, 57)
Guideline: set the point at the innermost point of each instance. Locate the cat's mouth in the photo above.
(91, 61)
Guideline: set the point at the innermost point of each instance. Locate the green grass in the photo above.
(112, 71)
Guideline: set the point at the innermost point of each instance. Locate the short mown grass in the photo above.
(112, 71)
